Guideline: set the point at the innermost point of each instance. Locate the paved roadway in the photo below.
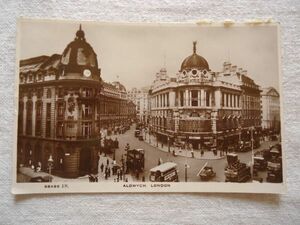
(153, 154)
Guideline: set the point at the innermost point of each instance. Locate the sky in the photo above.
(134, 53)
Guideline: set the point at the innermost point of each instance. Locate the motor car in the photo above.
(141, 138)
(39, 179)
(137, 133)
(207, 173)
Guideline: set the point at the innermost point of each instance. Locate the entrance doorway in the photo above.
(85, 161)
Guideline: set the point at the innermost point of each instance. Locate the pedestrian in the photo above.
(107, 161)
(127, 147)
(118, 173)
(109, 171)
(106, 174)
(192, 152)
(202, 152)
(143, 178)
(101, 167)
(158, 162)
(121, 173)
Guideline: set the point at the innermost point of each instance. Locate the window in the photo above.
(29, 118)
(222, 101)
(87, 92)
(227, 100)
(181, 98)
(194, 98)
(48, 111)
(38, 127)
(86, 111)
(20, 121)
(60, 130)
(207, 98)
(61, 109)
(49, 93)
(60, 93)
(86, 129)
(39, 108)
(39, 93)
(48, 119)
(48, 128)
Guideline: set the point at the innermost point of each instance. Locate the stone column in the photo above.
(186, 98)
(203, 98)
(24, 115)
(33, 115)
(218, 97)
(171, 98)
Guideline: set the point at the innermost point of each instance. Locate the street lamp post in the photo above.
(50, 165)
(168, 143)
(186, 164)
(149, 134)
(252, 142)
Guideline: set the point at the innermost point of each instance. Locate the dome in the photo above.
(194, 61)
(79, 53)
(119, 86)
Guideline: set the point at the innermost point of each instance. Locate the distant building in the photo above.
(140, 98)
(63, 105)
(204, 108)
(270, 109)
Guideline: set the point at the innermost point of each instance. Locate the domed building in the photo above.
(194, 61)
(201, 108)
(79, 60)
(63, 106)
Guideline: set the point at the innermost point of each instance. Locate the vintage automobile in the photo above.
(206, 173)
(38, 179)
(235, 170)
(140, 137)
(260, 163)
(135, 160)
(166, 172)
(137, 133)
(274, 166)
(247, 146)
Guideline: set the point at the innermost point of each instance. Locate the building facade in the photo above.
(63, 105)
(140, 97)
(270, 109)
(201, 107)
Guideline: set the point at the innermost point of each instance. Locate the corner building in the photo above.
(201, 107)
(62, 105)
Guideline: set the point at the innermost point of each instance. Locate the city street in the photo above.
(153, 154)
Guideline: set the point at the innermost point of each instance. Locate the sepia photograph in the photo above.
(153, 107)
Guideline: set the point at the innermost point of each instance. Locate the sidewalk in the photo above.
(208, 155)
(113, 178)
(30, 173)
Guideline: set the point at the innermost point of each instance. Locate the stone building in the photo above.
(63, 104)
(139, 96)
(204, 108)
(270, 109)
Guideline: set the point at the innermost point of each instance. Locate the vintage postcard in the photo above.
(158, 107)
